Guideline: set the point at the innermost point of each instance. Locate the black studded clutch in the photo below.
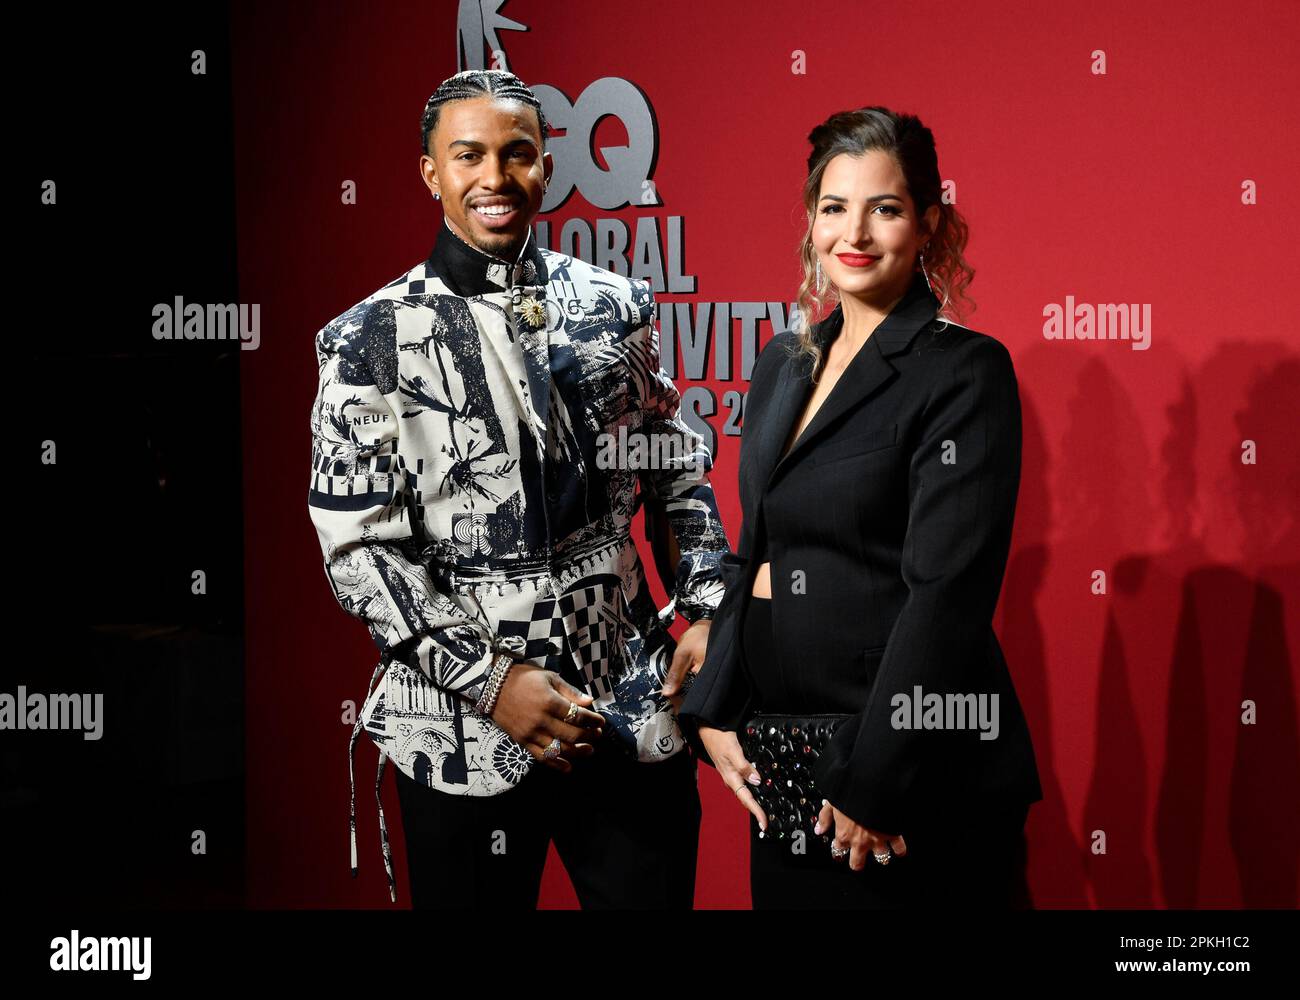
(785, 749)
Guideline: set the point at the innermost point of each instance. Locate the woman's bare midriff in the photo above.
(763, 581)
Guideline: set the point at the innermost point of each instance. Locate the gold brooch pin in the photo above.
(533, 312)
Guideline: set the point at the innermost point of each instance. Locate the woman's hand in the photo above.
(737, 773)
(858, 840)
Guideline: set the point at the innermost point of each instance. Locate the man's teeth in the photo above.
(494, 209)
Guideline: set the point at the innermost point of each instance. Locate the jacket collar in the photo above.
(467, 270)
(915, 309)
(868, 370)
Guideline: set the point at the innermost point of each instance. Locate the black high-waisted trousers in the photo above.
(967, 855)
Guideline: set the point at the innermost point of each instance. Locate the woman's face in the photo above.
(865, 230)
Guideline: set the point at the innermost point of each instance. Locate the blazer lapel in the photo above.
(869, 369)
(795, 386)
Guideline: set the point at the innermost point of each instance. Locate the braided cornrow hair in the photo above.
(473, 83)
(912, 146)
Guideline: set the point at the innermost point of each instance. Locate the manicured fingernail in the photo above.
(817, 829)
(754, 779)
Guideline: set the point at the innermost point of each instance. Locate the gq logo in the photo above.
(626, 181)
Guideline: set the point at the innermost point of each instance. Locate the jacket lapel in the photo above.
(795, 386)
(869, 369)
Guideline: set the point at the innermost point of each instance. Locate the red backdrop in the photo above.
(1122, 186)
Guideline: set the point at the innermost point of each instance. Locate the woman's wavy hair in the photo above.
(911, 145)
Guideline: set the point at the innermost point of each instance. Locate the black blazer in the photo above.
(896, 504)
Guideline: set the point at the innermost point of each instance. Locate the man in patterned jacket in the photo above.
(467, 516)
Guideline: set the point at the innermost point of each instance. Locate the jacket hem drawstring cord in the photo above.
(379, 783)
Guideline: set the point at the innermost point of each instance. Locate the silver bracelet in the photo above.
(496, 679)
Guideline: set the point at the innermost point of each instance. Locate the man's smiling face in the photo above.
(485, 159)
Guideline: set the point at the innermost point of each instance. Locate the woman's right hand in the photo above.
(737, 773)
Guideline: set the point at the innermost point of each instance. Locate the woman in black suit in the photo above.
(879, 466)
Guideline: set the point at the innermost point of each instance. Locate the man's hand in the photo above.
(688, 657)
(531, 708)
(857, 840)
(736, 772)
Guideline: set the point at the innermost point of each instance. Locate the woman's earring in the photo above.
(437, 196)
(820, 278)
(926, 273)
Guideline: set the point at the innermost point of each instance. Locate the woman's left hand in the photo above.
(860, 841)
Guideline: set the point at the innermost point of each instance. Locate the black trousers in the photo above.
(970, 860)
(627, 832)
(966, 853)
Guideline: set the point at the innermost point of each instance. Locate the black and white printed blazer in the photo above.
(462, 510)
